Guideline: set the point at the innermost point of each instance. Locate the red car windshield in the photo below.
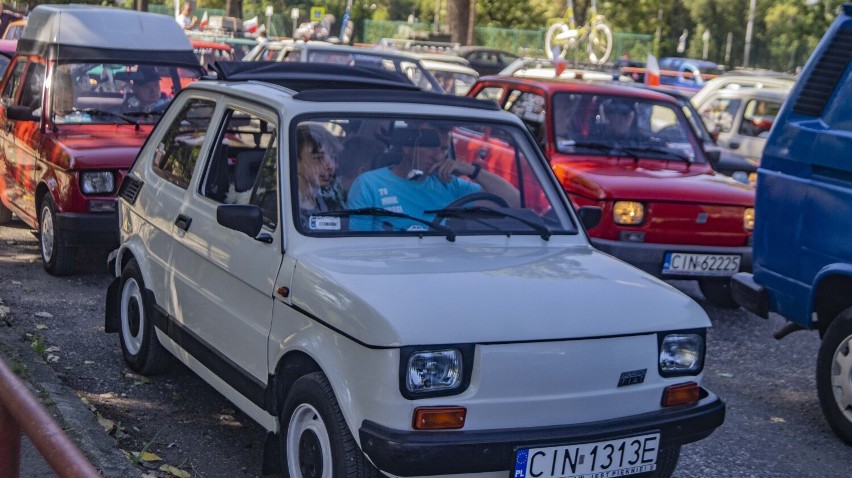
(111, 93)
(621, 126)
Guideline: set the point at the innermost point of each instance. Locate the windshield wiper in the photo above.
(543, 231)
(668, 152)
(96, 112)
(379, 212)
(610, 148)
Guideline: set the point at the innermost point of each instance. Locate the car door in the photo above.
(223, 280)
(174, 148)
(719, 114)
(8, 155)
(754, 125)
(28, 137)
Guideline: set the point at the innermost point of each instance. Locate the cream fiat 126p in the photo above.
(327, 248)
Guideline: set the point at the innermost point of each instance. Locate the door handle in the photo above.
(734, 145)
(183, 222)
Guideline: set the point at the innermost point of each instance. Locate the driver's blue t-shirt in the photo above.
(382, 188)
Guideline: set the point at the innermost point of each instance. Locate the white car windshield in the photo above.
(421, 176)
(114, 92)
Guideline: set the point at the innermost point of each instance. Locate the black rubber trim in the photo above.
(88, 229)
(379, 96)
(749, 294)
(88, 54)
(222, 366)
(412, 453)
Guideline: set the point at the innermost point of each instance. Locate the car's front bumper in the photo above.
(88, 229)
(650, 257)
(413, 453)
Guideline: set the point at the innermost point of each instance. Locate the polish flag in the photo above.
(203, 24)
(250, 25)
(652, 71)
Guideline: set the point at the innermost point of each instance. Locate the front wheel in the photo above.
(599, 43)
(718, 292)
(667, 462)
(834, 375)
(315, 441)
(58, 258)
(562, 36)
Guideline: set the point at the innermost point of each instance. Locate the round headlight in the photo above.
(628, 213)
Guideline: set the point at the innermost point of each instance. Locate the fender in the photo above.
(827, 272)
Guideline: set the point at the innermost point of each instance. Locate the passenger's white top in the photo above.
(103, 27)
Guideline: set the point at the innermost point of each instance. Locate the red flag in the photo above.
(652, 71)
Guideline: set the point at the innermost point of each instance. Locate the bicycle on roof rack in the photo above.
(565, 35)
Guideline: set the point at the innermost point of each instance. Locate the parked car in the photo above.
(802, 251)
(71, 128)
(405, 64)
(741, 79)
(486, 61)
(208, 51)
(527, 67)
(382, 339)
(14, 30)
(687, 74)
(723, 160)
(665, 210)
(741, 119)
(454, 78)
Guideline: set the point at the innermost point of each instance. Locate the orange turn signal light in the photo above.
(439, 418)
(681, 394)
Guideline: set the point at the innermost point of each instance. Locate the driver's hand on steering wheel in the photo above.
(448, 168)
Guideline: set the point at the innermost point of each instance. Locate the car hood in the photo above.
(97, 146)
(475, 294)
(603, 179)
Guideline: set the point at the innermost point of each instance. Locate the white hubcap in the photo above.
(132, 316)
(47, 232)
(841, 377)
(308, 444)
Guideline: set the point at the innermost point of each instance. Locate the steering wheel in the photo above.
(467, 198)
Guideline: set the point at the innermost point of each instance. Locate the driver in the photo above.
(426, 178)
(146, 96)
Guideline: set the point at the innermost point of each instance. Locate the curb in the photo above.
(66, 408)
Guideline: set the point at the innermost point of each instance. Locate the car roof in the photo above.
(354, 50)
(87, 33)
(758, 93)
(552, 85)
(213, 45)
(432, 65)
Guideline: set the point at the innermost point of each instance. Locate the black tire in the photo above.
(5, 214)
(139, 344)
(58, 259)
(834, 375)
(314, 434)
(667, 462)
(718, 292)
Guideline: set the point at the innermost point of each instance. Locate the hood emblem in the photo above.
(632, 377)
(701, 218)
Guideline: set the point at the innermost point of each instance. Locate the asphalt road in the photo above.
(774, 426)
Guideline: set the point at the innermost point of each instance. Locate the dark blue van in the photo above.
(803, 232)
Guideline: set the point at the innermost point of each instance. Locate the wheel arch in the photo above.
(291, 366)
(830, 294)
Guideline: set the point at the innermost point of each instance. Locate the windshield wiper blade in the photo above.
(610, 148)
(543, 231)
(377, 211)
(668, 152)
(97, 112)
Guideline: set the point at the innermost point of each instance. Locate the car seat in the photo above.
(245, 171)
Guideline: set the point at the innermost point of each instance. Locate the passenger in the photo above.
(356, 157)
(447, 82)
(424, 179)
(145, 95)
(621, 120)
(315, 170)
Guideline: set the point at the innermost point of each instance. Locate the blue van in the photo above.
(803, 232)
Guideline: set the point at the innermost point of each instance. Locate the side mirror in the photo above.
(713, 155)
(590, 216)
(20, 113)
(245, 218)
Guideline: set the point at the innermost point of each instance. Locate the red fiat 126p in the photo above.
(78, 100)
(633, 154)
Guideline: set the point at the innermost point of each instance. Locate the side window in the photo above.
(175, 157)
(530, 108)
(243, 168)
(11, 88)
(758, 117)
(490, 93)
(32, 86)
(719, 114)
